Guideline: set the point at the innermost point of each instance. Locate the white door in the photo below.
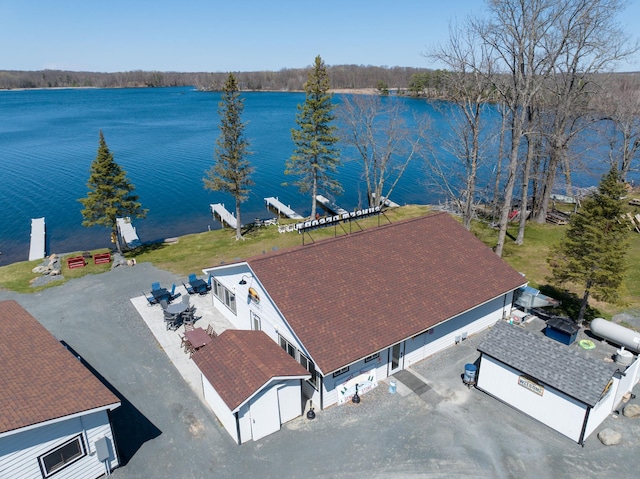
(397, 358)
(265, 414)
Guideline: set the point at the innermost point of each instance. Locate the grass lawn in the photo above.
(193, 252)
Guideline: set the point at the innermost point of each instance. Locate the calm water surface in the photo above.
(164, 139)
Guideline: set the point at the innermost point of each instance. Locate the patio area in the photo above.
(170, 340)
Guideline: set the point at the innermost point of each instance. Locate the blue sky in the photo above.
(231, 35)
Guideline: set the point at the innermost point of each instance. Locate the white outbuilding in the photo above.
(251, 384)
(554, 383)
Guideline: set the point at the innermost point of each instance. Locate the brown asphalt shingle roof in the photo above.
(39, 379)
(240, 362)
(349, 297)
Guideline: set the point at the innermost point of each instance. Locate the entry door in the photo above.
(265, 414)
(397, 358)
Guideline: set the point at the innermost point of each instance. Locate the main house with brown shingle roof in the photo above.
(53, 410)
(355, 309)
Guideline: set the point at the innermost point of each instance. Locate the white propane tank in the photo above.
(616, 334)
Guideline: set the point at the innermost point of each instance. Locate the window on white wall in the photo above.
(63, 455)
(302, 359)
(288, 347)
(255, 322)
(309, 366)
(224, 295)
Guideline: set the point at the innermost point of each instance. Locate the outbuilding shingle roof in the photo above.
(238, 363)
(560, 366)
(349, 297)
(40, 380)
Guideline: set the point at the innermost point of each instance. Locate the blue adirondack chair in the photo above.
(192, 277)
(155, 286)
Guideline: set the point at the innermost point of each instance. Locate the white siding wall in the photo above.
(220, 409)
(602, 409)
(426, 344)
(19, 452)
(289, 399)
(553, 408)
(628, 381)
(244, 419)
(443, 335)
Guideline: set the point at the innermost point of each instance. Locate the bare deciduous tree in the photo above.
(376, 128)
(468, 67)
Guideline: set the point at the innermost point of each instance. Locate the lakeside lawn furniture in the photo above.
(76, 262)
(155, 286)
(102, 258)
(198, 338)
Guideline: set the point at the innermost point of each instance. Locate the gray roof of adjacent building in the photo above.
(559, 366)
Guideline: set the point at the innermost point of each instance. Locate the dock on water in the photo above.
(220, 212)
(37, 246)
(330, 206)
(387, 202)
(281, 208)
(128, 232)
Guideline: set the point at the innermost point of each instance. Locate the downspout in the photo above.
(321, 391)
(584, 426)
(239, 440)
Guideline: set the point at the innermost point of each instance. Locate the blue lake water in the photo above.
(164, 138)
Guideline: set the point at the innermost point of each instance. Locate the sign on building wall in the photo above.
(366, 381)
(530, 385)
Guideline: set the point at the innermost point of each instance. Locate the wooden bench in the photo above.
(76, 262)
(102, 258)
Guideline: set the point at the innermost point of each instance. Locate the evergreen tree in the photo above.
(231, 172)
(592, 254)
(315, 157)
(110, 194)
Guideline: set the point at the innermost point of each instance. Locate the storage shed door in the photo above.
(265, 414)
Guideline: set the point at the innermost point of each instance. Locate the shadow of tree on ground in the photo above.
(570, 303)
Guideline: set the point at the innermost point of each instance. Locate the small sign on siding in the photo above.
(530, 385)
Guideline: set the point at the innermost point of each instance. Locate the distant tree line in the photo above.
(287, 79)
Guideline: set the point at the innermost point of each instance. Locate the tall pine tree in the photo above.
(593, 253)
(110, 194)
(231, 172)
(315, 158)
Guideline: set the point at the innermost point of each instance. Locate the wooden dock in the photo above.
(329, 205)
(219, 211)
(37, 246)
(387, 202)
(282, 209)
(128, 232)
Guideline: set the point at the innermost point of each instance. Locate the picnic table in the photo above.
(197, 338)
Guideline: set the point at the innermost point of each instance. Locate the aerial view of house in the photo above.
(54, 413)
